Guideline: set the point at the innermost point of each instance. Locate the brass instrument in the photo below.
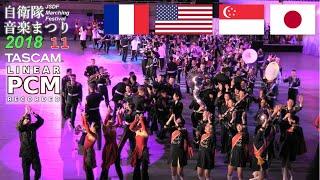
(191, 74)
(97, 76)
(233, 108)
(93, 78)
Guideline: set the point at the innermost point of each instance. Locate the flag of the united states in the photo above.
(183, 19)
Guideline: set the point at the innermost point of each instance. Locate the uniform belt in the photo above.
(171, 71)
(119, 93)
(272, 97)
(294, 88)
(100, 84)
(93, 109)
(198, 111)
(69, 94)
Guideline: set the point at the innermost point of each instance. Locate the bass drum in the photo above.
(272, 71)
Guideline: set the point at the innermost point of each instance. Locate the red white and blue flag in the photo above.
(126, 19)
(183, 19)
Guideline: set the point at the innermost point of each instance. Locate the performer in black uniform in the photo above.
(124, 44)
(239, 151)
(180, 148)
(140, 100)
(92, 110)
(162, 111)
(260, 63)
(197, 114)
(103, 82)
(294, 83)
(172, 68)
(127, 114)
(222, 104)
(92, 69)
(206, 154)
(105, 43)
(262, 140)
(64, 82)
(118, 92)
(133, 83)
(271, 93)
(160, 83)
(74, 96)
(292, 143)
(177, 105)
(28, 143)
(172, 87)
(291, 107)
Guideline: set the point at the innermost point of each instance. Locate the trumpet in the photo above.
(97, 76)
(233, 108)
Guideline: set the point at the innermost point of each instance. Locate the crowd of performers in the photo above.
(221, 86)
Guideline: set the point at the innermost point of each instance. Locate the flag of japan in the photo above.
(245, 19)
(292, 19)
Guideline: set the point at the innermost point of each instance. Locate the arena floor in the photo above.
(57, 145)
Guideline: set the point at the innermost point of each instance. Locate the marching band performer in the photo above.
(162, 54)
(261, 143)
(260, 63)
(73, 96)
(64, 82)
(180, 149)
(124, 42)
(134, 48)
(89, 158)
(239, 151)
(294, 84)
(127, 115)
(118, 92)
(162, 110)
(28, 143)
(110, 150)
(96, 37)
(92, 109)
(91, 69)
(103, 81)
(271, 89)
(171, 68)
(76, 29)
(291, 107)
(140, 154)
(83, 37)
(292, 143)
(206, 154)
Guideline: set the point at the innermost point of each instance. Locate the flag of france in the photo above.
(126, 19)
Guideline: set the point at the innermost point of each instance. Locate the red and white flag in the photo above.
(244, 19)
(292, 19)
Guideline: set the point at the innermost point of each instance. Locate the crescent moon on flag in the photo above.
(225, 12)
